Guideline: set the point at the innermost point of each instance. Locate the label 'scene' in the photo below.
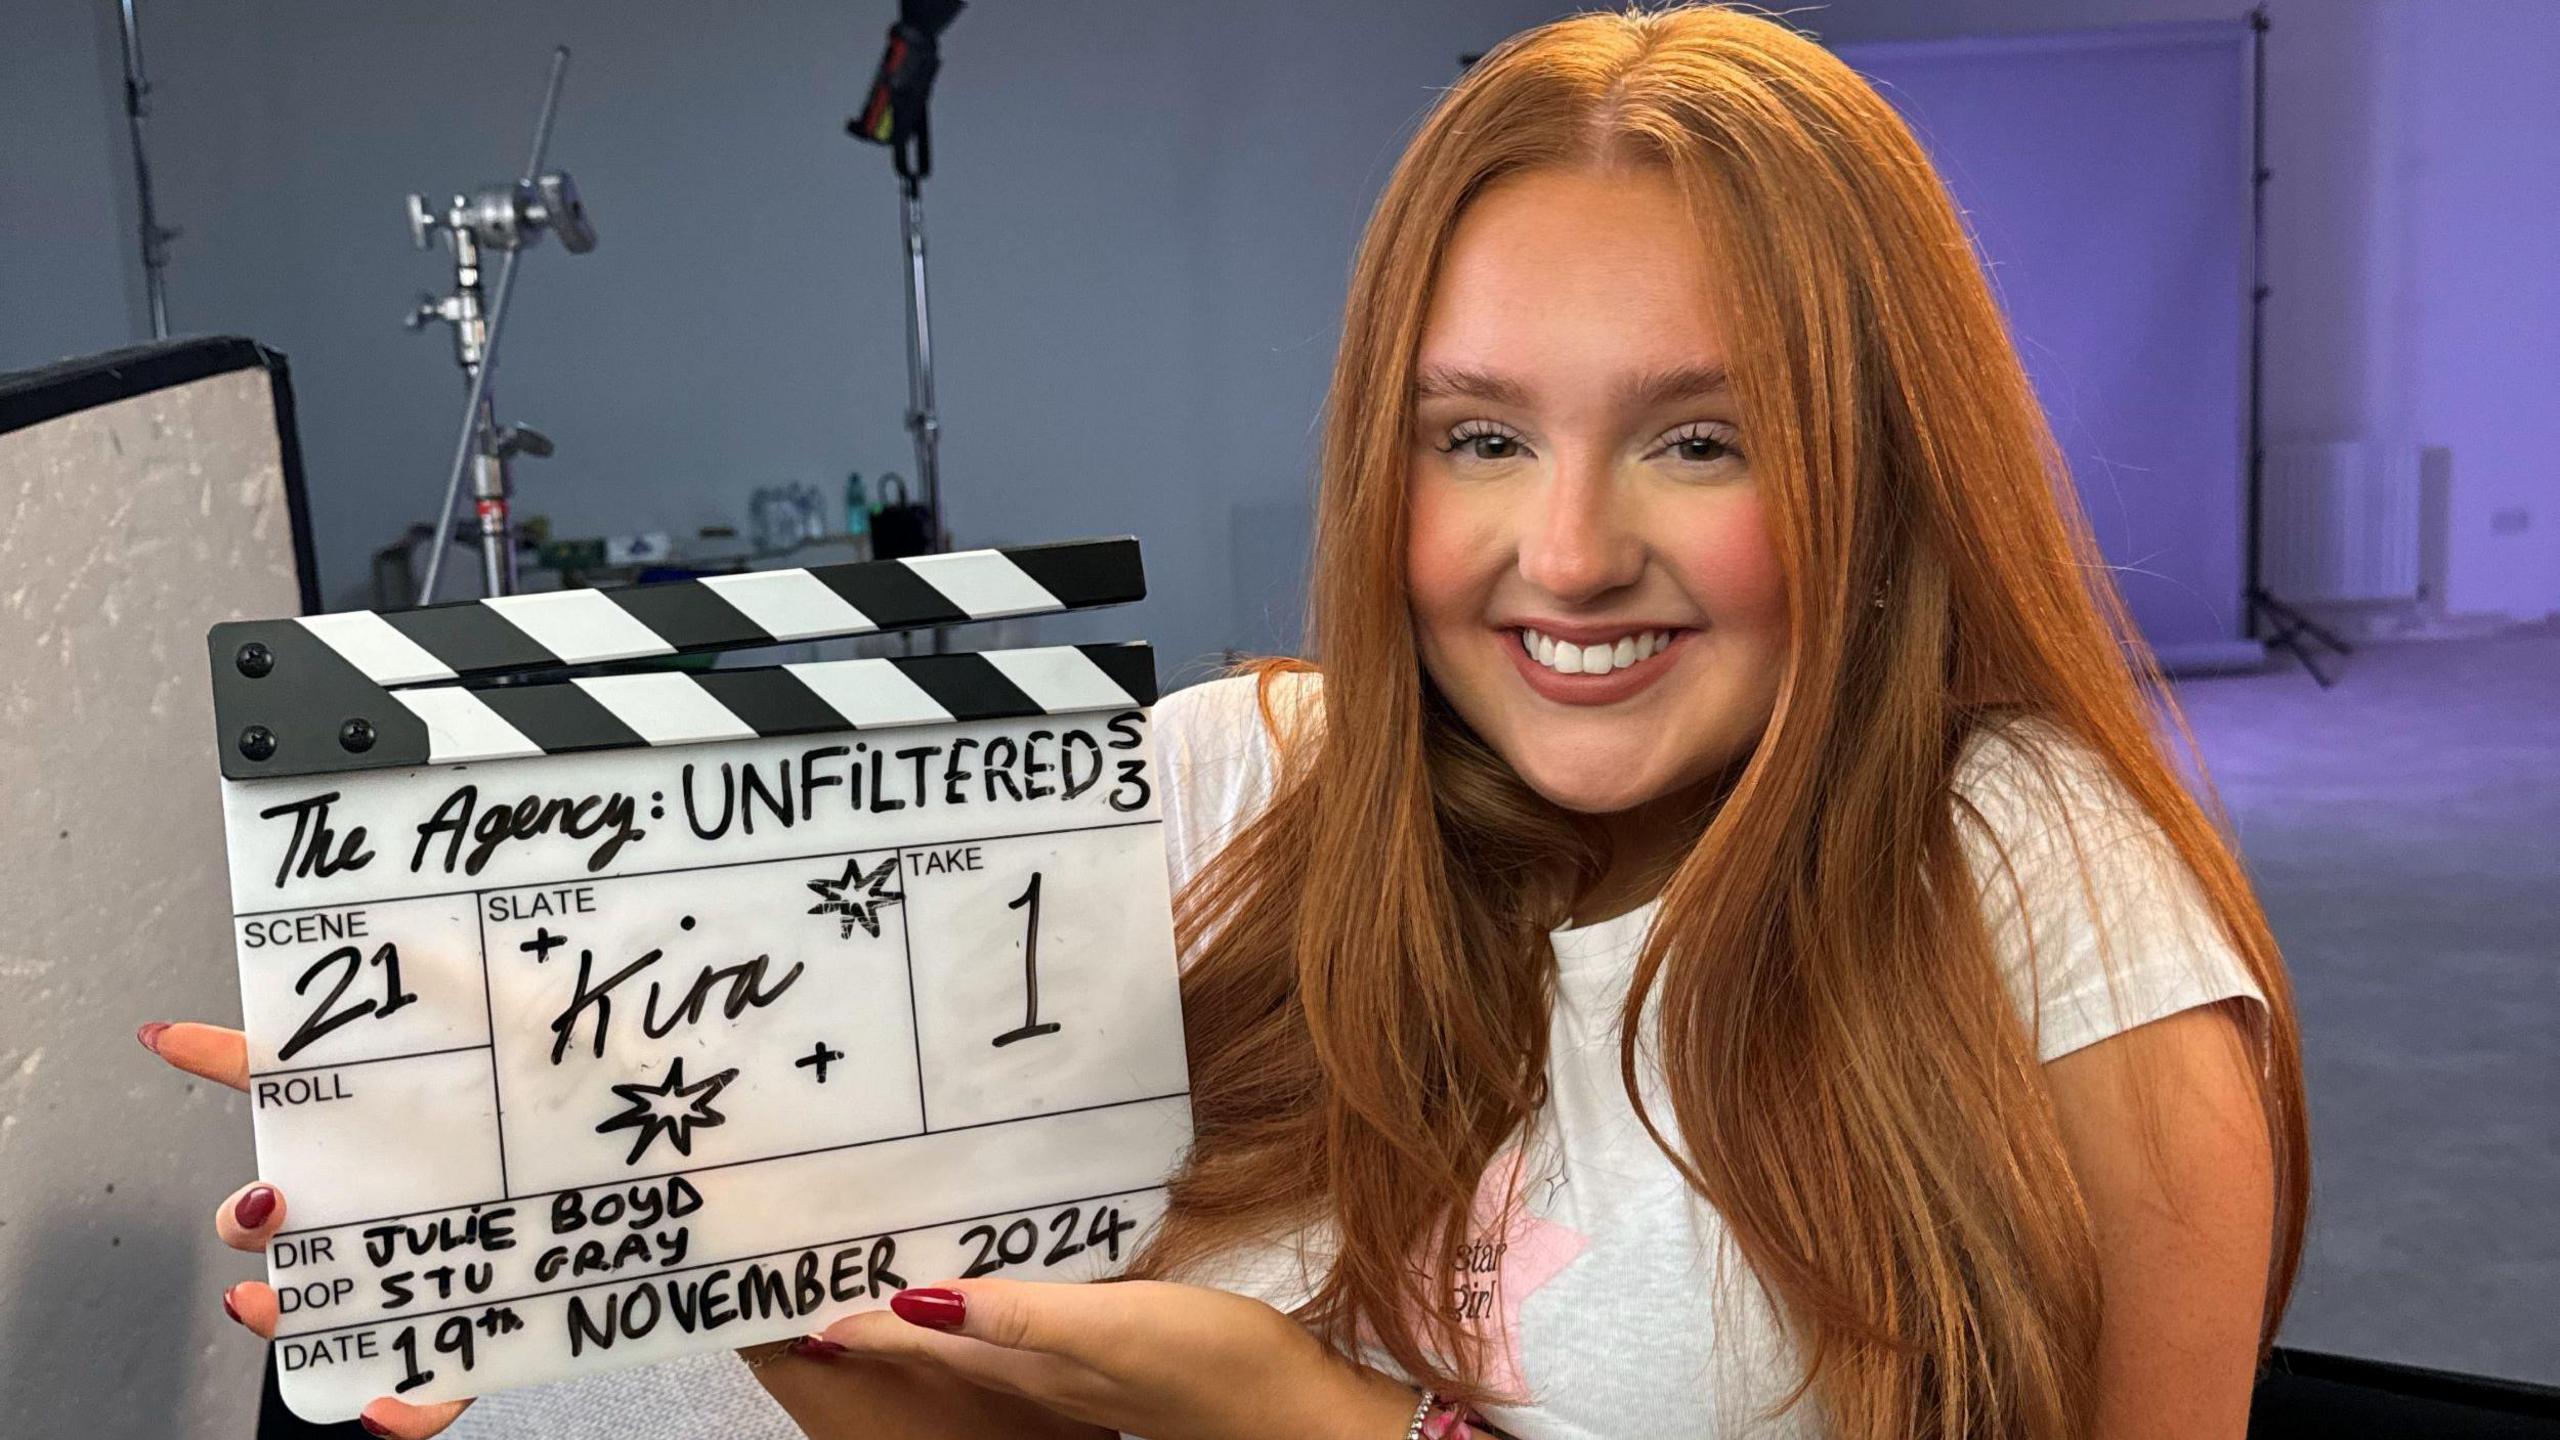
(576, 1062)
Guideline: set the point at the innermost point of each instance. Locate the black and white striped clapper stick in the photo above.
(512, 633)
(365, 690)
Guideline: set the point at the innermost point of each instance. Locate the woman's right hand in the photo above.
(250, 1216)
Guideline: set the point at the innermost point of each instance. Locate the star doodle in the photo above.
(652, 1120)
(837, 897)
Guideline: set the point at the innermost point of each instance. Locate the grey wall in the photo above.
(70, 268)
(1141, 223)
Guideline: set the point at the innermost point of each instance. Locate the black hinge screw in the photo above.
(258, 742)
(255, 660)
(356, 735)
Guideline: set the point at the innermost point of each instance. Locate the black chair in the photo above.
(2305, 1394)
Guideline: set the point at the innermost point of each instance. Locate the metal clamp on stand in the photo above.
(504, 218)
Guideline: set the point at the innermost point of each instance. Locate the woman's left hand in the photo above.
(1169, 1362)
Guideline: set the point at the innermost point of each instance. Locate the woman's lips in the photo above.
(1606, 689)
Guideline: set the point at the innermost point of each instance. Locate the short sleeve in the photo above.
(2097, 923)
(1219, 761)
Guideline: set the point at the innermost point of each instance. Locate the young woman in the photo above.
(1716, 948)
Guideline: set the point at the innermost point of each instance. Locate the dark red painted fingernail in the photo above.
(816, 1347)
(227, 1307)
(253, 1208)
(932, 1307)
(371, 1426)
(149, 1035)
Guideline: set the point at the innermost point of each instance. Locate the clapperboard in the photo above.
(604, 1018)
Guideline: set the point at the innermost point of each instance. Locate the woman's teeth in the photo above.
(1566, 658)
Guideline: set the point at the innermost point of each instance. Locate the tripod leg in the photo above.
(2289, 626)
(2309, 661)
(2301, 621)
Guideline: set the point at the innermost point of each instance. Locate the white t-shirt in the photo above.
(1622, 1304)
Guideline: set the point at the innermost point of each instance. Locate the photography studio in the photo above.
(1201, 719)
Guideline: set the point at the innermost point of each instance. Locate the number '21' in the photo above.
(321, 1022)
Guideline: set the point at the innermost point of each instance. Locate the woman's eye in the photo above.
(1483, 442)
(1702, 446)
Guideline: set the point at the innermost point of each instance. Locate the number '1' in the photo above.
(1031, 1024)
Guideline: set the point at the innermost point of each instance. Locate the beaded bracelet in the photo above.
(1438, 1419)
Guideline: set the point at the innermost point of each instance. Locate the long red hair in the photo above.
(1850, 1084)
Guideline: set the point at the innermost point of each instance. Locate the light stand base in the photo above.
(2291, 626)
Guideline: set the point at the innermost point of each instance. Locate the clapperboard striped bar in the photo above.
(366, 690)
(729, 612)
(613, 712)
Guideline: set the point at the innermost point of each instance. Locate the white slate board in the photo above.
(606, 1058)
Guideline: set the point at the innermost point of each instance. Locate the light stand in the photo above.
(2291, 625)
(504, 218)
(895, 114)
(155, 239)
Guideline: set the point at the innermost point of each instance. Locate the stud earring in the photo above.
(1879, 595)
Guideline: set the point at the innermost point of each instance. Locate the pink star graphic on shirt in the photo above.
(1530, 1252)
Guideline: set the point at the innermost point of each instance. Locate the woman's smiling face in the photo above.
(1592, 579)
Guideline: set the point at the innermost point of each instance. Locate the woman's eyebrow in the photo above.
(1640, 391)
(1433, 382)
(1680, 382)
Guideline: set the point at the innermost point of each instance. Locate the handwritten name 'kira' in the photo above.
(317, 851)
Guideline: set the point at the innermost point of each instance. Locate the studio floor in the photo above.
(2403, 829)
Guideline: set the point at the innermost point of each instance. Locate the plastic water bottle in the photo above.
(857, 514)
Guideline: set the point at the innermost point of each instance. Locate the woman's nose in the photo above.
(1575, 541)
